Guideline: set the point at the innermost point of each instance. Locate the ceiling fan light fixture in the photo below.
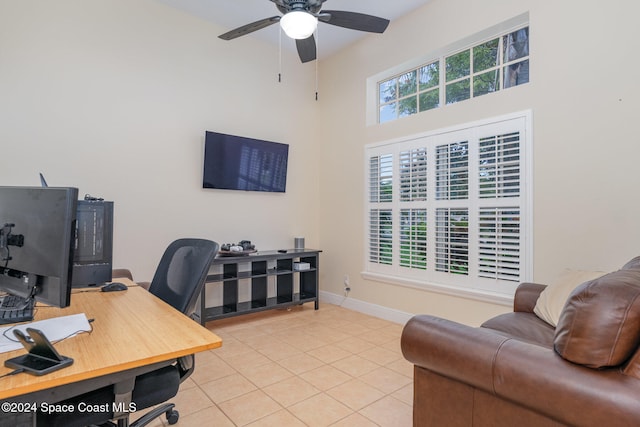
(299, 24)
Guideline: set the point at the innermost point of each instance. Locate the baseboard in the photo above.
(375, 310)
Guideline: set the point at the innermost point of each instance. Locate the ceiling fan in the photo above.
(300, 18)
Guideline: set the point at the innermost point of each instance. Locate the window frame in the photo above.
(497, 31)
(493, 290)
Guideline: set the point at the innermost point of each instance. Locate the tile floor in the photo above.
(300, 367)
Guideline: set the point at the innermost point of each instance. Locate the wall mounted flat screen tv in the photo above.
(239, 163)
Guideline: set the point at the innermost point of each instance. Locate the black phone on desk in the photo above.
(41, 358)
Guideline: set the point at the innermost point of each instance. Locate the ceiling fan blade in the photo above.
(354, 20)
(249, 28)
(306, 49)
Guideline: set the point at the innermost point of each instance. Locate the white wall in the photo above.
(584, 96)
(114, 97)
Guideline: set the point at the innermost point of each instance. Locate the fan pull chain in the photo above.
(317, 49)
(279, 54)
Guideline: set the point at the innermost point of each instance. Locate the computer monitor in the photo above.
(37, 242)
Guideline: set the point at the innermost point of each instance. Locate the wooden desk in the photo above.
(133, 332)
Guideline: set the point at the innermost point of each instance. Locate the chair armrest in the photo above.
(186, 366)
(526, 296)
(122, 272)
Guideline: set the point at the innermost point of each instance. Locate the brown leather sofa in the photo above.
(517, 370)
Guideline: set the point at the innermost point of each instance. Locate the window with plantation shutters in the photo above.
(450, 209)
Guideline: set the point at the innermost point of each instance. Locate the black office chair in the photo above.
(178, 281)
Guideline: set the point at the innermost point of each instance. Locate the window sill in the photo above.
(473, 294)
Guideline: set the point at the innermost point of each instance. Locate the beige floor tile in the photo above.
(385, 380)
(261, 341)
(355, 394)
(246, 360)
(207, 356)
(211, 416)
(267, 374)
(281, 418)
(301, 363)
(320, 410)
(279, 351)
(394, 328)
(402, 366)
(325, 377)
(297, 368)
(330, 334)
(329, 353)
(290, 391)
(305, 341)
(378, 337)
(191, 401)
(355, 420)
(389, 412)
(393, 345)
(247, 333)
(355, 365)
(249, 407)
(405, 394)
(228, 388)
(375, 323)
(380, 356)
(230, 347)
(355, 345)
(216, 368)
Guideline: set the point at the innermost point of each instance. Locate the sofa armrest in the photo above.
(541, 380)
(526, 374)
(526, 296)
(454, 350)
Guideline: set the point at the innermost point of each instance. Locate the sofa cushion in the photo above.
(600, 323)
(553, 297)
(522, 326)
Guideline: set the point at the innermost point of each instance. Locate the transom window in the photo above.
(451, 208)
(499, 63)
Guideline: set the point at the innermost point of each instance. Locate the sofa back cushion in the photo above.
(600, 323)
(553, 298)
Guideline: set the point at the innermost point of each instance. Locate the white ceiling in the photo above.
(231, 14)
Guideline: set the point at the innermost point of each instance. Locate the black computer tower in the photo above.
(94, 243)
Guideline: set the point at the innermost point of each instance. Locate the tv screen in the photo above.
(239, 163)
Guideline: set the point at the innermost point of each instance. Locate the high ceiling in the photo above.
(231, 14)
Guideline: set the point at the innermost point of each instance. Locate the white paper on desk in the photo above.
(54, 329)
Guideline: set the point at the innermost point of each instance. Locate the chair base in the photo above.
(171, 414)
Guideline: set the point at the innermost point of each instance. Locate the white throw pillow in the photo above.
(553, 298)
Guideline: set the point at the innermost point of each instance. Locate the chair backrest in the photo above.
(182, 272)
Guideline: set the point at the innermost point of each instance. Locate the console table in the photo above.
(260, 281)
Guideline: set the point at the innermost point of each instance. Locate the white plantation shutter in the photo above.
(500, 166)
(413, 174)
(499, 243)
(381, 236)
(452, 171)
(413, 238)
(451, 208)
(380, 172)
(452, 240)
